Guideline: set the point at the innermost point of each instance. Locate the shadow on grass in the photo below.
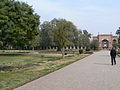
(6, 68)
(54, 59)
(11, 68)
(50, 58)
(9, 54)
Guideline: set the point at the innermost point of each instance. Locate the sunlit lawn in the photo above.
(18, 69)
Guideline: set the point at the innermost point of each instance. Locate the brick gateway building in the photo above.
(106, 40)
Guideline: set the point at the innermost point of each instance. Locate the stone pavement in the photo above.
(92, 73)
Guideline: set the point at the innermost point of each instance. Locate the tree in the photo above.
(115, 45)
(35, 42)
(85, 32)
(94, 45)
(86, 39)
(1, 44)
(73, 34)
(47, 33)
(118, 33)
(61, 33)
(18, 24)
(80, 42)
(47, 38)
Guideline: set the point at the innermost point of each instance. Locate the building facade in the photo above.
(106, 40)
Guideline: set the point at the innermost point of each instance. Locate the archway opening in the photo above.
(114, 41)
(105, 44)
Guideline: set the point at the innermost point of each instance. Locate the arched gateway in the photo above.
(105, 44)
(106, 40)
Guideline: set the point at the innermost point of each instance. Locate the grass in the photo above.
(16, 70)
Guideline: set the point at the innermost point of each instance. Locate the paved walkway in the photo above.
(93, 73)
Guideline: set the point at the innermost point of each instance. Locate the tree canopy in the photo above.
(20, 27)
(52, 32)
(18, 24)
(62, 33)
(118, 33)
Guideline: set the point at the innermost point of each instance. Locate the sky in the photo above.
(95, 16)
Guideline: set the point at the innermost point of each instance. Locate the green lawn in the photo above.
(18, 69)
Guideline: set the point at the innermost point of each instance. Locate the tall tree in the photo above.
(47, 38)
(86, 39)
(94, 45)
(72, 33)
(80, 36)
(61, 33)
(85, 32)
(118, 33)
(18, 23)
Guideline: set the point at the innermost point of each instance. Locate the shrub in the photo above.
(87, 49)
(80, 51)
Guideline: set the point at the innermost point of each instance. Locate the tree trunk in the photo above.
(33, 49)
(63, 53)
(59, 48)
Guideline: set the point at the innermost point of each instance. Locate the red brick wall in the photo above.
(107, 37)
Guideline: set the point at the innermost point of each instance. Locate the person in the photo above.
(113, 56)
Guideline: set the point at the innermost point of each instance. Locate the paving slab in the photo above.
(92, 73)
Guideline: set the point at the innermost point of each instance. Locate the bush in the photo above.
(87, 49)
(118, 52)
(80, 51)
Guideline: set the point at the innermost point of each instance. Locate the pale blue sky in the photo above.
(101, 16)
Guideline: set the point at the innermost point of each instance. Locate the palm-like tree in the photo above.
(118, 33)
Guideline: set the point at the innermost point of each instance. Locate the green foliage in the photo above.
(87, 49)
(61, 33)
(114, 45)
(85, 32)
(85, 41)
(118, 33)
(80, 51)
(18, 23)
(94, 45)
(84, 38)
(61, 29)
(1, 44)
(51, 31)
(47, 37)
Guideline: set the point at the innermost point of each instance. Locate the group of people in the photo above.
(113, 56)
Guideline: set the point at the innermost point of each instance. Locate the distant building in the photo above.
(106, 40)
